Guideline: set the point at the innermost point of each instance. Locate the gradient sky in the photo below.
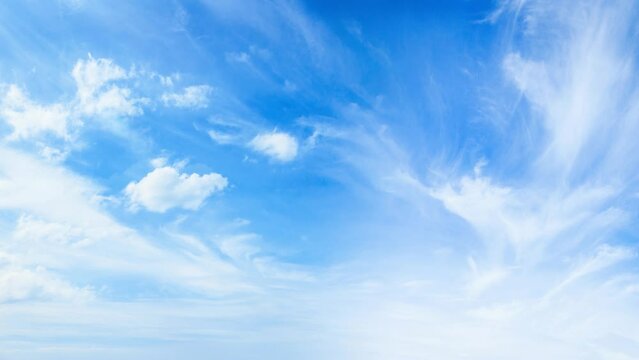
(281, 179)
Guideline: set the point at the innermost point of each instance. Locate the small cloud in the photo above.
(97, 95)
(192, 97)
(92, 74)
(276, 145)
(165, 188)
(29, 119)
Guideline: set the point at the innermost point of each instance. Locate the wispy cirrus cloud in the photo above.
(564, 211)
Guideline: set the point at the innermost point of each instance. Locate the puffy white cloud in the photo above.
(192, 97)
(277, 145)
(92, 74)
(29, 119)
(165, 188)
(97, 95)
(104, 93)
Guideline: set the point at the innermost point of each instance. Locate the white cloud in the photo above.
(582, 92)
(63, 232)
(92, 74)
(534, 230)
(97, 95)
(22, 188)
(165, 188)
(104, 94)
(113, 102)
(25, 284)
(605, 256)
(383, 323)
(277, 145)
(29, 119)
(526, 221)
(192, 97)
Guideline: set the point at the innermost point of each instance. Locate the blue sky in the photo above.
(319, 179)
